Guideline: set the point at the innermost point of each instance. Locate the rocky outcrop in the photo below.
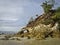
(42, 31)
(42, 27)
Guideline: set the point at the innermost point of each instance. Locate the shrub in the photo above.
(47, 21)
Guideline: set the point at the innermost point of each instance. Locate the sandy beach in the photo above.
(51, 41)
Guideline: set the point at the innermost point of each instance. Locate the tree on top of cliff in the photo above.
(47, 5)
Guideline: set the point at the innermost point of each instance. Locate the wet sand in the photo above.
(31, 42)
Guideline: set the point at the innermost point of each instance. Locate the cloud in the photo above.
(8, 28)
(8, 19)
(15, 14)
(9, 10)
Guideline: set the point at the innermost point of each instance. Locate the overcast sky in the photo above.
(15, 14)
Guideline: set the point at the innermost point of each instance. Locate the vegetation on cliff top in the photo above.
(50, 16)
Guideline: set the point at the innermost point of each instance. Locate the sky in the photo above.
(15, 14)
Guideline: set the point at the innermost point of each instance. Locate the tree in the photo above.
(46, 6)
(57, 14)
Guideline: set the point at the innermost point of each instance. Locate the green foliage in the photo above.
(57, 14)
(58, 9)
(47, 7)
(47, 21)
